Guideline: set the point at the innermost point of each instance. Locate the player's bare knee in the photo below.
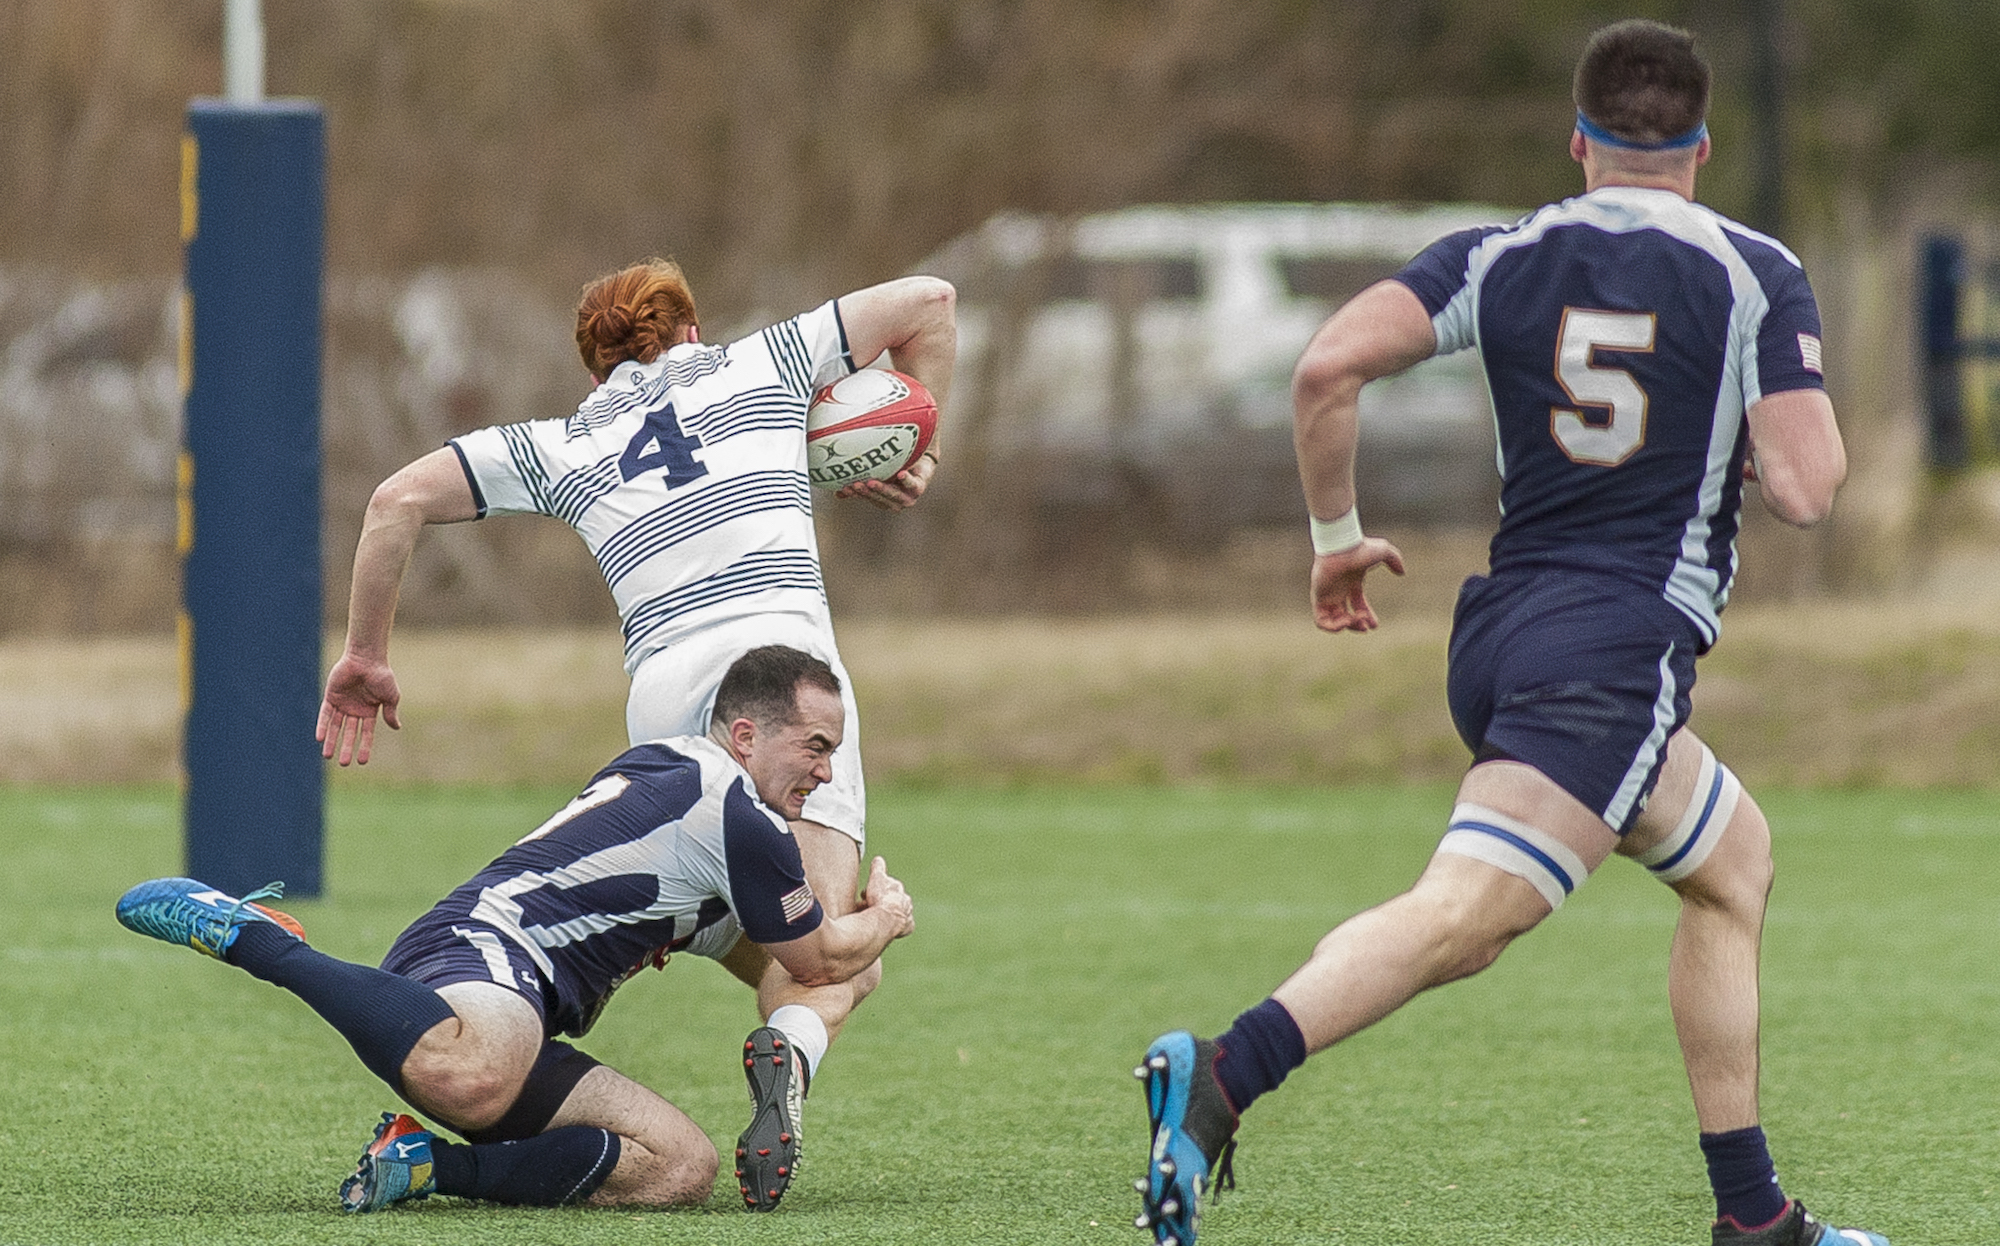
(466, 1094)
(682, 1178)
(1743, 889)
(1472, 959)
(1475, 941)
(1737, 875)
(690, 1177)
(1468, 929)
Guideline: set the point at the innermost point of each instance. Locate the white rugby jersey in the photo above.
(1624, 332)
(686, 477)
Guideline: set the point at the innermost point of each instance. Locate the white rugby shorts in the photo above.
(673, 693)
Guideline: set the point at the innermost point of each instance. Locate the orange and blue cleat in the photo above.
(183, 911)
(397, 1165)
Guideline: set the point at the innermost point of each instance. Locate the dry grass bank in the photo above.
(1825, 694)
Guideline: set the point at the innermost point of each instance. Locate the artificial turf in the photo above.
(984, 1094)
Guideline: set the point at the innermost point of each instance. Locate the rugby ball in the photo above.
(867, 426)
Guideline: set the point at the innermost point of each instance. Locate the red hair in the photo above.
(634, 313)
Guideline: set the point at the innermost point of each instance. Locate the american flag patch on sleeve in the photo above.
(1809, 353)
(796, 903)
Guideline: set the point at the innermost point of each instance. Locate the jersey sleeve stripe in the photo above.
(680, 519)
(840, 326)
(528, 464)
(478, 495)
(788, 351)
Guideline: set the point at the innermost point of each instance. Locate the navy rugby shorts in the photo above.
(443, 947)
(1581, 675)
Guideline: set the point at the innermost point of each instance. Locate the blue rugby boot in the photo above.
(1193, 1138)
(183, 911)
(397, 1165)
(1797, 1227)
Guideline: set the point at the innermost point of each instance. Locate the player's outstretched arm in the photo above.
(431, 490)
(845, 946)
(1380, 331)
(1796, 448)
(915, 320)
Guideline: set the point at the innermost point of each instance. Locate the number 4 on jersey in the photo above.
(661, 445)
(1600, 441)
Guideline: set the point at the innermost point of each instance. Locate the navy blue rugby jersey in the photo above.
(1623, 333)
(667, 849)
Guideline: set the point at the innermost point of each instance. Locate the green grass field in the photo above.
(984, 1094)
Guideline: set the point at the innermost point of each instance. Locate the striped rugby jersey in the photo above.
(1623, 333)
(686, 477)
(667, 849)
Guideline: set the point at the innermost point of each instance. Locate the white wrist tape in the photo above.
(1336, 536)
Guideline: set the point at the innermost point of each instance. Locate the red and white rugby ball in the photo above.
(867, 426)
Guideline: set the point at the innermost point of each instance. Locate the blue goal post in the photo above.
(253, 206)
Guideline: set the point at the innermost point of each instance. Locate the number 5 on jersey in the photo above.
(1600, 441)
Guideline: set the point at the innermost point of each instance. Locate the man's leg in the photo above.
(664, 1160)
(475, 1073)
(380, 1014)
(1517, 845)
(460, 1052)
(1707, 839)
(1712, 971)
(468, 1070)
(781, 1057)
(590, 1134)
(1457, 919)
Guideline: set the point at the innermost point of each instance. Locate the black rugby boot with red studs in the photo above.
(767, 1155)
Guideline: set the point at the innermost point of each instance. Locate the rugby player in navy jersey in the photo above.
(1644, 355)
(679, 845)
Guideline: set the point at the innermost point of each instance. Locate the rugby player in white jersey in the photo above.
(1638, 348)
(684, 472)
(678, 845)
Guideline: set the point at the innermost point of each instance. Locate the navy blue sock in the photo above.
(1746, 1183)
(381, 1014)
(548, 1170)
(1257, 1052)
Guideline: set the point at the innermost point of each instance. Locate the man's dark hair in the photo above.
(763, 686)
(1642, 81)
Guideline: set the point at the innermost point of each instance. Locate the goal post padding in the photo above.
(253, 206)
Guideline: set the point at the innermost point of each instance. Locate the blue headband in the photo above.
(1598, 134)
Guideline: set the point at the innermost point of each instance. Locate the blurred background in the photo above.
(1147, 206)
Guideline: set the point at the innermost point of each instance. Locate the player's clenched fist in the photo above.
(887, 894)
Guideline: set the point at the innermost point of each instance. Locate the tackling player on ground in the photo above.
(684, 472)
(677, 845)
(1643, 353)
